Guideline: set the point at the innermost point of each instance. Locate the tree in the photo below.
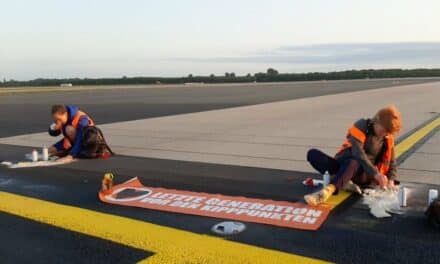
(272, 71)
(190, 75)
(232, 75)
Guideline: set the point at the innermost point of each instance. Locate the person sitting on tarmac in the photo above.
(365, 158)
(82, 139)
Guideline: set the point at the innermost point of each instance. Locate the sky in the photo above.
(63, 39)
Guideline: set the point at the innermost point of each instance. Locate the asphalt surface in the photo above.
(350, 235)
(26, 113)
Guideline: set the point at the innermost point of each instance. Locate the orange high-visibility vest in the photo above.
(384, 164)
(75, 121)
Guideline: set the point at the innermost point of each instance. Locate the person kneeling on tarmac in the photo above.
(365, 158)
(82, 139)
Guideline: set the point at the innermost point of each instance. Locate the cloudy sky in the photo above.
(86, 38)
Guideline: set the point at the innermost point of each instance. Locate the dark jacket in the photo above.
(368, 154)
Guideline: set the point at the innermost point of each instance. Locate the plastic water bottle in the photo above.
(45, 152)
(326, 179)
(433, 195)
(34, 155)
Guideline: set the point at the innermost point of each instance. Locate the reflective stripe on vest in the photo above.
(384, 164)
(75, 121)
(354, 132)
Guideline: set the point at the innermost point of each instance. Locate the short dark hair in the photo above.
(58, 109)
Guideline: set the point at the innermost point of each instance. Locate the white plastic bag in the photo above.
(382, 202)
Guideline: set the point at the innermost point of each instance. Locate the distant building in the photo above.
(66, 85)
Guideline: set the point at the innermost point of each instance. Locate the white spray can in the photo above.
(34, 155)
(433, 195)
(326, 179)
(45, 153)
(403, 194)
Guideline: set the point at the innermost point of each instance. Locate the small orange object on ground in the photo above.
(107, 183)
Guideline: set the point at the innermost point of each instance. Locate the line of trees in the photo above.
(271, 75)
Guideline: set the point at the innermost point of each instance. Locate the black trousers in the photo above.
(343, 170)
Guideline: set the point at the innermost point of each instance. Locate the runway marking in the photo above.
(400, 149)
(169, 245)
(415, 137)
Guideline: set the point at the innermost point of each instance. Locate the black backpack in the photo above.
(94, 144)
(433, 214)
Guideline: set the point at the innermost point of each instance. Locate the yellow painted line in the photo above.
(336, 200)
(400, 149)
(169, 245)
(415, 137)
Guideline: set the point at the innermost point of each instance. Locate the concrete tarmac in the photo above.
(273, 135)
(423, 166)
(30, 112)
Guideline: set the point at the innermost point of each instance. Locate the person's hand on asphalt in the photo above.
(381, 179)
(391, 185)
